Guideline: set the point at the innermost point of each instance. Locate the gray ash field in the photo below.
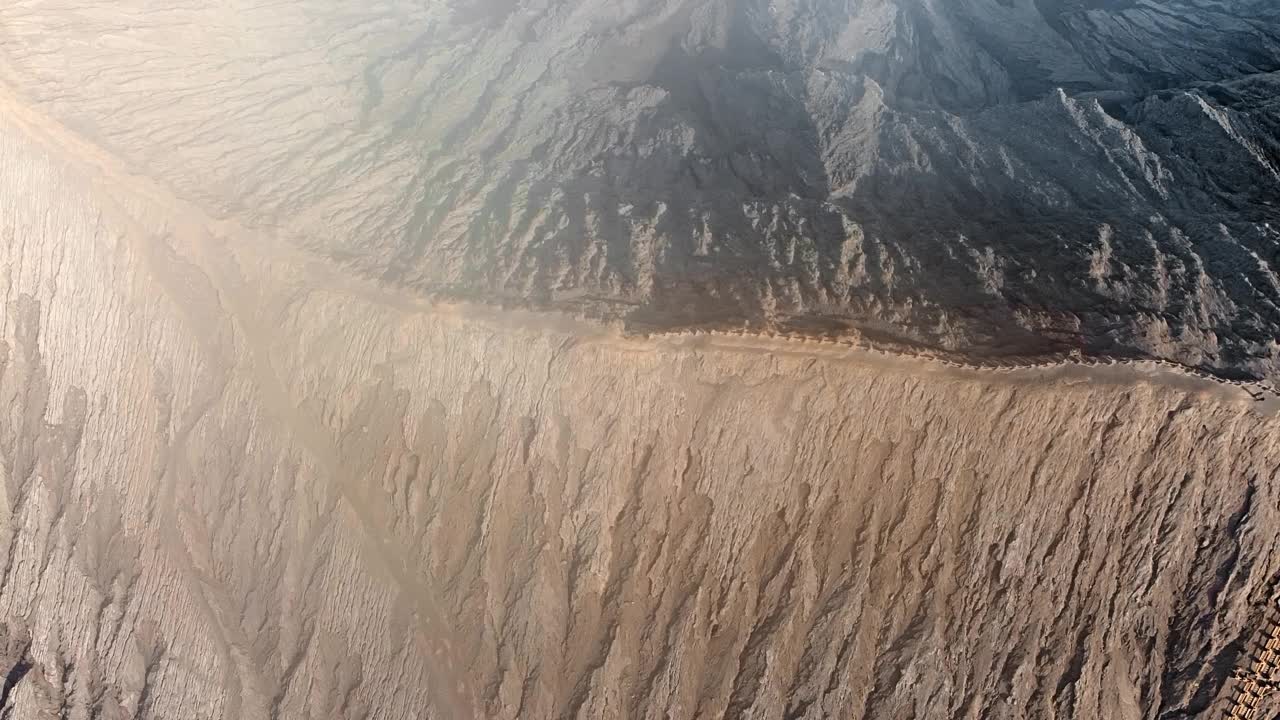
(343, 376)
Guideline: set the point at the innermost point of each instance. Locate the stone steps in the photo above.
(1259, 679)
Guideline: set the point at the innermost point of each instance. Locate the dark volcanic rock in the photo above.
(992, 176)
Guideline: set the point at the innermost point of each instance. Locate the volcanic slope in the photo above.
(243, 482)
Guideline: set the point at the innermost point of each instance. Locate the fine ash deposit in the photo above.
(381, 359)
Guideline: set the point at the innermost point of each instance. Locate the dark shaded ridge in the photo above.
(14, 676)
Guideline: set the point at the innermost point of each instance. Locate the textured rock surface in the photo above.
(251, 468)
(981, 175)
(241, 483)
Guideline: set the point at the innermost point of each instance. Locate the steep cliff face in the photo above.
(980, 175)
(240, 482)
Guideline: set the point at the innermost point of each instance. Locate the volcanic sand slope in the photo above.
(242, 483)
